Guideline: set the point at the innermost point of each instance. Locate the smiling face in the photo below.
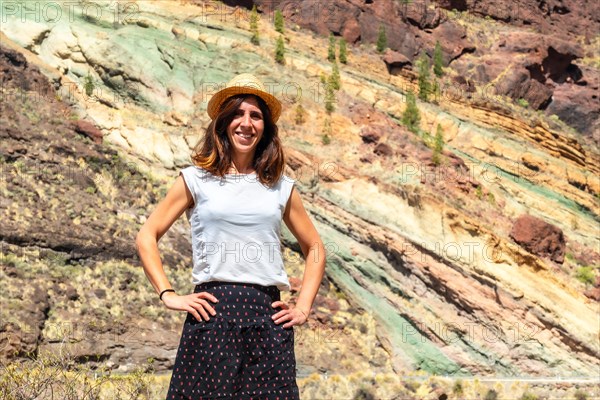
(246, 128)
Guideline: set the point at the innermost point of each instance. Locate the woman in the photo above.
(238, 337)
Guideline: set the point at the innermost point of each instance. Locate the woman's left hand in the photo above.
(294, 315)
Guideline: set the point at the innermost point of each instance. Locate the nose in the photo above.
(246, 119)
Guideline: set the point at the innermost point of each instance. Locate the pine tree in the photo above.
(334, 79)
(411, 116)
(423, 68)
(254, 26)
(331, 48)
(89, 84)
(278, 21)
(329, 98)
(280, 50)
(438, 60)
(436, 90)
(343, 51)
(438, 146)
(325, 138)
(300, 115)
(381, 39)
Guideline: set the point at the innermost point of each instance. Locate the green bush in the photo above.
(89, 85)
(381, 39)
(585, 274)
(331, 48)
(300, 115)
(424, 78)
(491, 395)
(254, 39)
(411, 116)
(329, 98)
(523, 103)
(278, 21)
(280, 50)
(334, 78)
(438, 146)
(438, 60)
(528, 396)
(343, 52)
(458, 389)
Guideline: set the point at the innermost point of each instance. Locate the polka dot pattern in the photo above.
(240, 353)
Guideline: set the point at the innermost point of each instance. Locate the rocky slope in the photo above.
(425, 270)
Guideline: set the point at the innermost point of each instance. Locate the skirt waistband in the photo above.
(271, 291)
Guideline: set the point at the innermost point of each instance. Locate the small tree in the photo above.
(300, 115)
(280, 50)
(423, 68)
(334, 78)
(381, 39)
(438, 61)
(438, 146)
(343, 51)
(329, 98)
(89, 84)
(254, 39)
(437, 90)
(325, 138)
(411, 116)
(331, 48)
(278, 21)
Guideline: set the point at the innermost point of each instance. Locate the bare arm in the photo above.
(299, 223)
(178, 198)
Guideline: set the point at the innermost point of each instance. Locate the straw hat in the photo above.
(243, 84)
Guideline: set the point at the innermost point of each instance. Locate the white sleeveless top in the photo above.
(235, 227)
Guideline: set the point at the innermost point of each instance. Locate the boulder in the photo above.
(395, 62)
(86, 128)
(539, 237)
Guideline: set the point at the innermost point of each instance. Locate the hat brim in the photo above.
(217, 100)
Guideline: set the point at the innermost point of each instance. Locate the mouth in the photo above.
(244, 135)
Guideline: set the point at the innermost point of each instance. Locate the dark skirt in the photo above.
(240, 353)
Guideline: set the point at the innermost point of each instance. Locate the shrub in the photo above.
(528, 396)
(438, 146)
(381, 39)
(424, 84)
(334, 78)
(363, 393)
(411, 116)
(89, 84)
(523, 103)
(491, 395)
(329, 98)
(585, 274)
(254, 26)
(331, 48)
(280, 50)
(479, 192)
(343, 52)
(438, 60)
(278, 21)
(300, 115)
(458, 389)
(325, 138)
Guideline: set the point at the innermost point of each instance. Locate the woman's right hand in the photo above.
(196, 303)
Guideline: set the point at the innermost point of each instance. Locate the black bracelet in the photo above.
(166, 290)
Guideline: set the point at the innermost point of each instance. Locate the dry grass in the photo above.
(61, 376)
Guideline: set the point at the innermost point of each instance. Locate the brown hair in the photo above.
(213, 151)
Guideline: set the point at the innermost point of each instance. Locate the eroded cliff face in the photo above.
(422, 273)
